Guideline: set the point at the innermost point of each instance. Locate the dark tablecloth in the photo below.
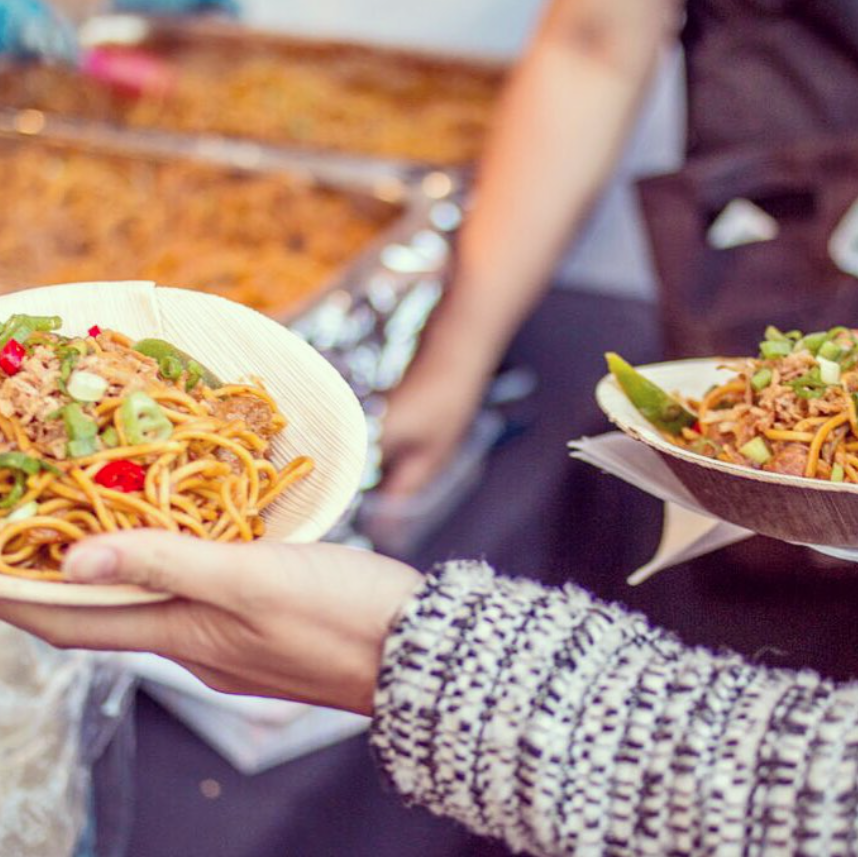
(536, 512)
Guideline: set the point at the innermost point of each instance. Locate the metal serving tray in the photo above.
(67, 187)
(365, 317)
(409, 108)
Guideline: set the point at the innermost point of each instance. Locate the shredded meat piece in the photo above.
(228, 457)
(32, 393)
(253, 412)
(125, 371)
(790, 459)
(52, 435)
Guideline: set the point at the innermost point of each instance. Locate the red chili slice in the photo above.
(12, 356)
(122, 475)
(95, 330)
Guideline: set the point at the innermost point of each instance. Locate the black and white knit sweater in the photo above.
(567, 726)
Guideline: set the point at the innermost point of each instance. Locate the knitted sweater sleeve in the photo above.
(565, 725)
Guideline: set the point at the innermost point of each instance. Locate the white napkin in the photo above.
(689, 530)
(253, 733)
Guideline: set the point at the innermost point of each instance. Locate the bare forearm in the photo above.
(558, 134)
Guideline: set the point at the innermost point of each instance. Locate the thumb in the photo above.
(185, 566)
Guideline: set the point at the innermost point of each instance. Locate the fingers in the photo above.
(406, 474)
(422, 429)
(165, 562)
(137, 629)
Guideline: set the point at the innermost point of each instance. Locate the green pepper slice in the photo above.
(23, 466)
(110, 437)
(161, 350)
(170, 368)
(143, 419)
(17, 491)
(195, 373)
(19, 327)
(20, 461)
(26, 463)
(657, 406)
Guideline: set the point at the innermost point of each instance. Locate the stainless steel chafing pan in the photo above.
(218, 78)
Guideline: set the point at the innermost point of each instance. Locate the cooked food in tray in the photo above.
(271, 241)
(342, 97)
(790, 410)
(99, 433)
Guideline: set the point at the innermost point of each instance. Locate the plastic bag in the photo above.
(58, 712)
(43, 789)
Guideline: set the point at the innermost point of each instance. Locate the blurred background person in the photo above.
(571, 131)
(595, 101)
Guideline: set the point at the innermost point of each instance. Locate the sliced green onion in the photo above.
(756, 450)
(81, 448)
(837, 473)
(771, 349)
(829, 371)
(829, 350)
(82, 431)
(761, 379)
(87, 386)
(110, 437)
(813, 341)
(772, 334)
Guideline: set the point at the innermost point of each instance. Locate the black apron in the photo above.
(772, 120)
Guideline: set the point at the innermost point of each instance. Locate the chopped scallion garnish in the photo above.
(761, 379)
(756, 450)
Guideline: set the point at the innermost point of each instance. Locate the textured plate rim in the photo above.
(60, 593)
